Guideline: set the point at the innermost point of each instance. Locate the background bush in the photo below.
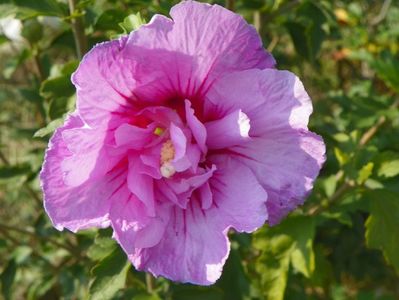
(342, 244)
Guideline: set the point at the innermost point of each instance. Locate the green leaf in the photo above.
(383, 223)
(103, 245)
(306, 32)
(196, 293)
(21, 254)
(109, 275)
(340, 216)
(3, 39)
(388, 164)
(233, 280)
(273, 266)
(302, 256)
(365, 172)
(132, 22)
(57, 87)
(58, 107)
(341, 156)
(110, 19)
(387, 68)
(25, 9)
(50, 128)
(330, 185)
(7, 278)
(32, 30)
(7, 172)
(291, 241)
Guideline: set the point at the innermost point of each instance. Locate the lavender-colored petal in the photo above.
(75, 207)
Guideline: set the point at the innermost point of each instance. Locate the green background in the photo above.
(342, 244)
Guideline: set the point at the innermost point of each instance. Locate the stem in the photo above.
(3, 158)
(383, 13)
(257, 21)
(149, 281)
(368, 135)
(78, 31)
(36, 61)
(230, 4)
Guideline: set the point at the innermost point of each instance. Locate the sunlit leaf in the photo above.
(109, 275)
(132, 22)
(383, 223)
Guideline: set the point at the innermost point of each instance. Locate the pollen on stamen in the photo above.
(167, 155)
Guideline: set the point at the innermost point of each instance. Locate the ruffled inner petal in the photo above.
(231, 130)
(141, 185)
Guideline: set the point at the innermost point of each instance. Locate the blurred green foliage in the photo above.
(342, 244)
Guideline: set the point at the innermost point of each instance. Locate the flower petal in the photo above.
(291, 159)
(75, 207)
(195, 244)
(239, 199)
(197, 128)
(193, 249)
(132, 136)
(104, 83)
(141, 184)
(272, 99)
(88, 147)
(202, 43)
(231, 130)
(132, 227)
(179, 142)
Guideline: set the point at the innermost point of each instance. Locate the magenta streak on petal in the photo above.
(205, 195)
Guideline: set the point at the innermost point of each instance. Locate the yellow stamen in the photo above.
(167, 155)
(167, 152)
(159, 131)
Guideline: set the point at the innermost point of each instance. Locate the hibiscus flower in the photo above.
(183, 130)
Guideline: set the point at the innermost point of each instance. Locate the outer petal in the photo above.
(78, 207)
(104, 83)
(88, 147)
(193, 248)
(286, 164)
(282, 153)
(202, 43)
(239, 199)
(272, 99)
(132, 227)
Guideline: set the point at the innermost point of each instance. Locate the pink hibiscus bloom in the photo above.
(183, 130)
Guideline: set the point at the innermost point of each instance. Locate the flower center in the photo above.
(167, 155)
